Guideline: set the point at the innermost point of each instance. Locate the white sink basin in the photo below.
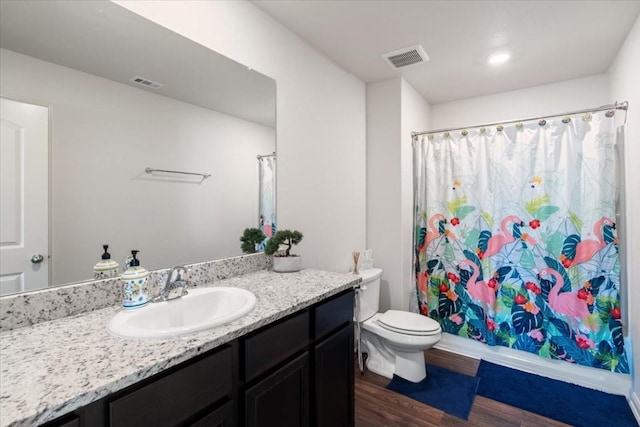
(201, 309)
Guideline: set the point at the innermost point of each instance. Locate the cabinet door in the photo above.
(333, 380)
(282, 398)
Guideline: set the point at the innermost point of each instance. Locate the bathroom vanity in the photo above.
(289, 362)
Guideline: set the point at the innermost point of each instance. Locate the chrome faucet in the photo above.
(176, 285)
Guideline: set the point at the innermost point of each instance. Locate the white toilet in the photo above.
(395, 340)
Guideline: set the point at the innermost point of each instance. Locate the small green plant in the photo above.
(251, 238)
(283, 237)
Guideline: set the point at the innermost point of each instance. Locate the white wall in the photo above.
(552, 98)
(394, 110)
(384, 185)
(320, 121)
(625, 86)
(416, 113)
(104, 134)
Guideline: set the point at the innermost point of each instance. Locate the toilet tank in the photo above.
(368, 294)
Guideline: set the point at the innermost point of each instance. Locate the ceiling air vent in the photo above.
(402, 58)
(146, 82)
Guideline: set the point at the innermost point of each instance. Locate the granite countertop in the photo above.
(51, 368)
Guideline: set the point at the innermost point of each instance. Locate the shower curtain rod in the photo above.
(266, 155)
(617, 106)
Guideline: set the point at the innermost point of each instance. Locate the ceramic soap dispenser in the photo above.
(106, 268)
(135, 283)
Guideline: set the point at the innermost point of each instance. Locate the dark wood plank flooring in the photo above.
(375, 406)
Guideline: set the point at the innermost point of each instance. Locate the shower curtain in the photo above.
(267, 195)
(515, 239)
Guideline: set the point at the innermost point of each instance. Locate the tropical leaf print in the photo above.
(605, 358)
(463, 211)
(422, 234)
(527, 260)
(506, 272)
(517, 234)
(554, 243)
(562, 328)
(526, 343)
(533, 205)
(447, 306)
(545, 212)
(574, 352)
(616, 335)
(488, 218)
(577, 222)
(477, 311)
(569, 246)
(449, 254)
(457, 203)
(433, 264)
(596, 283)
(524, 321)
(483, 240)
(622, 365)
(503, 335)
(608, 234)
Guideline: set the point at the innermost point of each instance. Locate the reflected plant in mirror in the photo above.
(251, 240)
(92, 95)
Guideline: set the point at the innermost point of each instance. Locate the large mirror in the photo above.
(92, 96)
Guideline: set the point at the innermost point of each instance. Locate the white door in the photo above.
(24, 205)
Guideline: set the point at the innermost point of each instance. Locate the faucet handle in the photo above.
(177, 274)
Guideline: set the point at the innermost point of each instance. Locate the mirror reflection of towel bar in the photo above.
(203, 175)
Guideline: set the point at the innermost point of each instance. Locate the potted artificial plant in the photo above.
(251, 239)
(283, 260)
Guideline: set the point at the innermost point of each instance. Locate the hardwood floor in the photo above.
(375, 406)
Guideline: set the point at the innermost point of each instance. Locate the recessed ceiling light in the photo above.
(499, 58)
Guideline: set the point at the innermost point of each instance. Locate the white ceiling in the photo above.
(549, 41)
(107, 40)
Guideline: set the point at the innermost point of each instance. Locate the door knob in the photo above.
(37, 259)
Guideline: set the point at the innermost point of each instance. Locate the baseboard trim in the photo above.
(597, 379)
(634, 403)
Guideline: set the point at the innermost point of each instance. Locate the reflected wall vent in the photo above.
(146, 82)
(405, 57)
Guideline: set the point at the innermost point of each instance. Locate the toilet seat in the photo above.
(404, 322)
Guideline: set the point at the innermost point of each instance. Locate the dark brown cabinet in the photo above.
(282, 398)
(297, 372)
(334, 380)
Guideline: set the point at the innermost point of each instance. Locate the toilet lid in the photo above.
(410, 323)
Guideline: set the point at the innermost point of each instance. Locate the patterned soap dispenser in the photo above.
(135, 283)
(106, 268)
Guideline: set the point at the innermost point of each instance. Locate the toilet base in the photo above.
(384, 361)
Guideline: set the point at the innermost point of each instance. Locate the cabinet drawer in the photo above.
(176, 396)
(66, 421)
(333, 314)
(274, 344)
(221, 417)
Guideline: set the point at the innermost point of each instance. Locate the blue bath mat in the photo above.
(569, 403)
(448, 391)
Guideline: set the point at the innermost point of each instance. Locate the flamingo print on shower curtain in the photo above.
(514, 241)
(267, 197)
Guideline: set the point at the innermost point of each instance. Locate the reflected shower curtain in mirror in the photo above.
(515, 240)
(267, 204)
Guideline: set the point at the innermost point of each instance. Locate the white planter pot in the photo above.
(287, 264)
